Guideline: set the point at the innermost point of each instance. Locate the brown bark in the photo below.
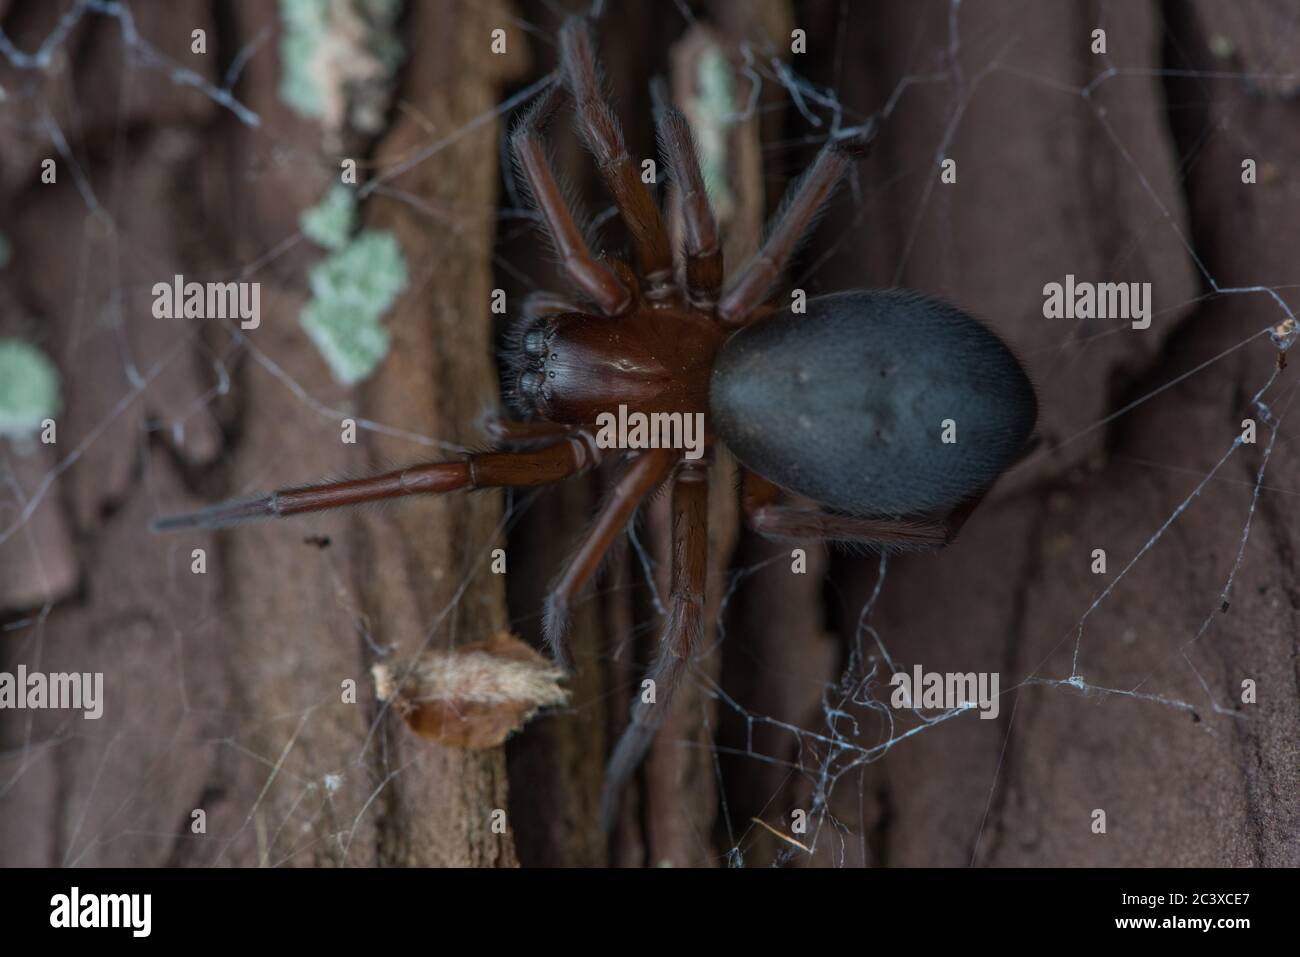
(432, 566)
(243, 666)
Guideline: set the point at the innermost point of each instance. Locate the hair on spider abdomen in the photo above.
(848, 403)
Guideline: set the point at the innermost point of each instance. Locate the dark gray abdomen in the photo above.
(846, 403)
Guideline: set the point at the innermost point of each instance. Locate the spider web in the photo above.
(1099, 673)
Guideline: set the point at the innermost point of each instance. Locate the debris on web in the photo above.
(1284, 334)
(473, 696)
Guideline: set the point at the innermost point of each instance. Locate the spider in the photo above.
(892, 412)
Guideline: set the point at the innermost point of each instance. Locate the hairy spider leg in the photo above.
(791, 523)
(795, 523)
(703, 251)
(594, 279)
(803, 201)
(642, 476)
(601, 131)
(543, 302)
(512, 432)
(680, 637)
(542, 466)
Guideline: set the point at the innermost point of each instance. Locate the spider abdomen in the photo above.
(880, 402)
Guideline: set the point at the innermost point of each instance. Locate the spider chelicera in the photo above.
(893, 412)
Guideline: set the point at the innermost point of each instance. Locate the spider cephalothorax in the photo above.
(894, 411)
(658, 358)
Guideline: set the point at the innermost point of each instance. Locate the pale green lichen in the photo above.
(29, 388)
(305, 23)
(332, 220)
(338, 60)
(1223, 46)
(713, 114)
(352, 288)
(369, 273)
(352, 346)
(4, 251)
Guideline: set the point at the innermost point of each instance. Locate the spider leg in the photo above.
(542, 466)
(795, 217)
(699, 228)
(593, 278)
(680, 636)
(604, 137)
(506, 431)
(641, 478)
(792, 523)
(545, 303)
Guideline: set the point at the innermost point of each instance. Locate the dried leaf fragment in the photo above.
(473, 696)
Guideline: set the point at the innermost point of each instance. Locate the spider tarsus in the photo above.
(647, 716)
(537, 116)
(857, 143)
(575, 30)
(661, 100)
(555, 630)
(221, 515)
(627, 757)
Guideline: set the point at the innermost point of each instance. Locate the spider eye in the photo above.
(535, 341)
(530, 385)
